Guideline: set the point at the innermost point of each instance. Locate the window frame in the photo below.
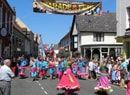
(98, 37)
(1, 15)
(128, 12)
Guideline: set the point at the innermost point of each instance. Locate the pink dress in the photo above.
(68, 81)
(103, 83)
(128, 89)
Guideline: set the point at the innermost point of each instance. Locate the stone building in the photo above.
(7, 17)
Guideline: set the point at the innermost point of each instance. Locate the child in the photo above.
(68, 82)
(103, 82)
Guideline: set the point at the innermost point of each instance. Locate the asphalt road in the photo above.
(48, 87)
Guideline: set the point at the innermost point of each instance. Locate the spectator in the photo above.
(5, 78)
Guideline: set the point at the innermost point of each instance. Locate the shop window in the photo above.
(98, 37)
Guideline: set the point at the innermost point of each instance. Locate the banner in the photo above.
(68, 8)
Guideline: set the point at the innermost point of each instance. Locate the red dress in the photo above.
(68, 81)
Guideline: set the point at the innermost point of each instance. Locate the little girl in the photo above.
(103, 81)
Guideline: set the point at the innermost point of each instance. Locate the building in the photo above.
(24, 41)
(7, 17)
(123, 25)
(18, 39)
(94, 36)
(65, 42)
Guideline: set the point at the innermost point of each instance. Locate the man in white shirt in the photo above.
(6, 76)
(91, 68)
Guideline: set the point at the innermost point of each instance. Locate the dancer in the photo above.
(128, 80)
(51, 68)
(60, 70)
(43, 69)
(33, 66)
(103, 84)
(68, 82)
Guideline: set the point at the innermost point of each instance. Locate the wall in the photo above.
(122, 17)
(87, 39)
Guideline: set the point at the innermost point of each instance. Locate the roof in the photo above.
(95, 23)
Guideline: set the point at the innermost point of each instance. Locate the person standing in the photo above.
(6, 75)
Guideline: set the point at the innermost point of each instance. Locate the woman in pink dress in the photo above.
(103, 81)
(68, 82)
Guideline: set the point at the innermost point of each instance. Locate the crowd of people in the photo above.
(68, 70)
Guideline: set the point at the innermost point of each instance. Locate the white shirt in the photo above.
(6, 73)
(91, 66)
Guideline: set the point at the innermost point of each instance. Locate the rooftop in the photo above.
(95, 23)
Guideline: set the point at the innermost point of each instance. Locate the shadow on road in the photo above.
(101, 93)
(70, 94)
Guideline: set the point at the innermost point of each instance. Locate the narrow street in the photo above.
(48, 87)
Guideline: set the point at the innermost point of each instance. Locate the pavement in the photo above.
(48, 87)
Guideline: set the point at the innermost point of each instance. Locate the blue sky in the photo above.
(52, 27)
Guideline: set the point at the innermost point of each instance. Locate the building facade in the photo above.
(123, 25)
(94, 36)
(7, 17)
(24, 41)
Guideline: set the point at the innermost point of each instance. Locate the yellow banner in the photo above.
(66, 8)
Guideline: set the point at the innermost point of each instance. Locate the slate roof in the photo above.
(104, 23)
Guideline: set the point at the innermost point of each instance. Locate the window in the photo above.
(75, 45)
(75, 42)
(6, 23)
(75, 39)
(98, 37)
(128, 11)
(1, 14)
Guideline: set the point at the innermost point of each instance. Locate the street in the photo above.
(48, 87)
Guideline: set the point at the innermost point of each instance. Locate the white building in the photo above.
(123, 25)
(94, 36)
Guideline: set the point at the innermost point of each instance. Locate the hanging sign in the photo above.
(68, 8)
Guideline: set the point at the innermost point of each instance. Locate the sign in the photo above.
(68, 8)
(3, 32)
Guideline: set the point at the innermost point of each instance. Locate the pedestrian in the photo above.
(68, 82)
(6, 75)
(91, 67)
